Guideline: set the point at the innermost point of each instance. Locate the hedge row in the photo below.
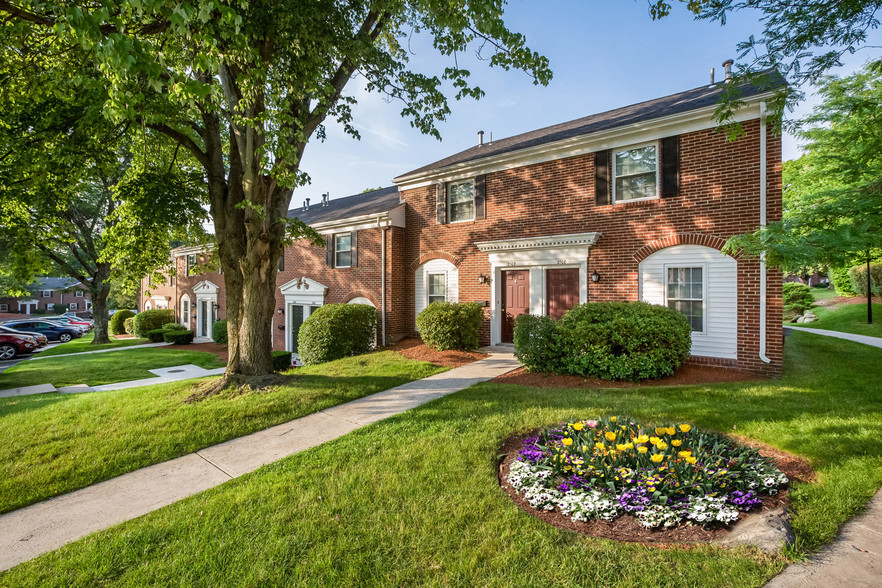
(334, 331)
(150, 320)
(451, 325)
(609, 340)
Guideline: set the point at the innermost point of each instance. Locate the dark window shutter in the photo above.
(282, 261)
(670, 172)
(601, 178)
(480, 197)
(441, 203)
(329, 243)
(354, 254)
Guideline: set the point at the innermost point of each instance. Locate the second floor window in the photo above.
(47, 293)
(461, 201)
(191, 265)
(79, 294)
(636, 173)
(343, 250)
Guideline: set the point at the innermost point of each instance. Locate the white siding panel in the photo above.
(433, 267)
(720, 338)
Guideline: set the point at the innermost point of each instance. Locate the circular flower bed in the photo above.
(663, 476)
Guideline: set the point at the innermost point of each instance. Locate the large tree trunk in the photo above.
(99, 293)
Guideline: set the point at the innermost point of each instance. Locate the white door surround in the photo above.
(27, 304)
(303, 292)
(536, 254)
(206, 304)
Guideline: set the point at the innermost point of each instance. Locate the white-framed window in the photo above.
(281, 262)
(50, 306)
(685, 293)
(343, 250)
(147, 306)
(461, 201)
(73, 306)
(46, 294)
(4, 307)
(172, 280)
(79, 293)
(185, 309)
(436, 287)
(191, 265)
(635, 173)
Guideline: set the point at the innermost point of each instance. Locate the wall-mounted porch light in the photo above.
(482, 279)
(280, 311)
(595, 277)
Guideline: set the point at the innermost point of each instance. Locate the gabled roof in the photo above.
(54, 283)
(366, 203)
(694, 99)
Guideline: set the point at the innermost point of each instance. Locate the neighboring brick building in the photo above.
(47, 292)
(631, 204)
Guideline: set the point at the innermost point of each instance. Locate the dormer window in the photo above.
(461, 201)
(635, 173)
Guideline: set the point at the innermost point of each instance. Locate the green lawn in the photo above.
(54, 443)
(102, 368)
(824, 293)
(414, 500)
(85, 344)
(848, 318)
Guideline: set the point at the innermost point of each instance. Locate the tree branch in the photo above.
(184, 140)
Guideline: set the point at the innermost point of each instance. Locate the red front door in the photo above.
(515, 300)
(562, 287)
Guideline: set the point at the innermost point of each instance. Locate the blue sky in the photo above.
(604, 55)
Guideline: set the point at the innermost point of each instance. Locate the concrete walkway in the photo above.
(865, 339)
(142, 346)
(853, 560)
(36, 529)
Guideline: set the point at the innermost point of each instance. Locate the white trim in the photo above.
(79, 294)
(471, 182)
(184, 317)
(657, 172)
(339, 251)
(43, 294)
(644, 131)
(191, 249)
(205, 291)
(536, 254)
(392, 218)
(71, 306)
(304, 292)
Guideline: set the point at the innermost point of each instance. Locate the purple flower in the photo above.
(571, 483)
(530, 450)
(634, 500)
(744, 500)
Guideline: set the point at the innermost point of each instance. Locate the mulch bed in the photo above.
(627, 528)
(686, 374)
(847, 300)
(219, 350)
(416, 349)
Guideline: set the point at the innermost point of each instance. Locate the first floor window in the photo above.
(73, 306)
(4, 307)
(636, 173)
(437, 288)
(343, 250)
(461, 200)
(50, 306)
(47, 293)
(79, 294)
(185, 311)
(685, 294)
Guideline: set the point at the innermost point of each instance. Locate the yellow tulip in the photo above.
(654, 440)
(610, 436)
(642, 449)
(578, 426)
(642, 439)
(685, 453)
(676, 443)
(612, 419)
(662, 445)
(685, 428)
(620, 446)
(657, 457)
(691, 460)
(671, 431)
(660, 430)
(567, 441)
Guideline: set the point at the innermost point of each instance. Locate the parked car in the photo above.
(67, 321)
(54, 331)
(82, 314)
(13, 345)
(42, 340)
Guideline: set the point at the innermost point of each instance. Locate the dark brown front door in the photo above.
(562, 287)
(515, 300)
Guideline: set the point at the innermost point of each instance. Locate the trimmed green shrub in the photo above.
(219, 332)
(281, 361)
(451, 325)
(152, 319)
(534, 342)
(337, 330)
(39, 311)
(174, 327)
(129, 325)
(858, 275)
(177, 337)
(156, 335)
(797, 297)
(840, 280)
(622, 340)
(117, 320)
(60, 309)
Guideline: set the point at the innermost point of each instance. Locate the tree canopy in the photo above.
(244, 86)
(833, 193)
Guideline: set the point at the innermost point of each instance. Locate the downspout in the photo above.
(763, 223)
(382, 282)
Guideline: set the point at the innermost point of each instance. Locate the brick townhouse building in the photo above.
(630, 204)
(47, 292)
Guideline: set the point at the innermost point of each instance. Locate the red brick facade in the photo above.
(718, 198)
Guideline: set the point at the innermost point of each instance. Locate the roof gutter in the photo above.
(763, 223)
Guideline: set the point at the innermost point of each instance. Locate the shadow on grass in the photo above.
(16, 404)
